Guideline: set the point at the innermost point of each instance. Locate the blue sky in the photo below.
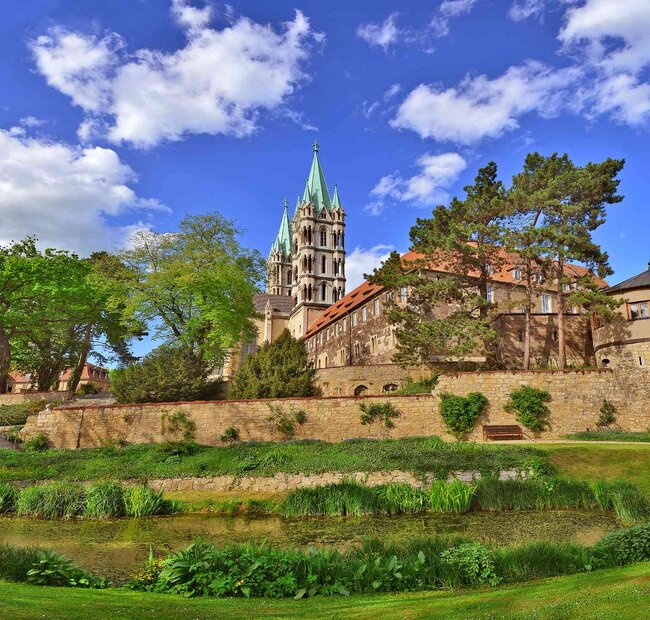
(120, 114)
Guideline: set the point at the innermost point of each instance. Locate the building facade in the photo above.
(625, 341)
(98, 376)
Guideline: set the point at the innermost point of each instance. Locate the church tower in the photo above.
(279, 272)
(307, 258)
(318, 250)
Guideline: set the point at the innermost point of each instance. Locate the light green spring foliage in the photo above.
(528, 404)
(460, 413)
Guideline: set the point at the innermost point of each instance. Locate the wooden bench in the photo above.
(505, 431)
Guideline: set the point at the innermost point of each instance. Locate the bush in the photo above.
(472, 563)
(607, 415)
(385, 412)
(105, 499)
(54, 569)
(285, 422)
(167, 374)
(278, 369)
(178, 422)
(230, 435)
(53, 499)
(15, 415)
(88, 389)
(460, 413)
(38, 443)
(623, 547)
(423, 386)
(529, 407)
(8, 498)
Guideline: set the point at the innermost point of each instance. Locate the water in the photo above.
(113, 548)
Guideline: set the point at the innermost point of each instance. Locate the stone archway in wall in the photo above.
(360, 390)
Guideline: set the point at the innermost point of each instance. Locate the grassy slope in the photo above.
(619, 593)
(590, 461)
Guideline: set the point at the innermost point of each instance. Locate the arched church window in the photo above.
(309, 292)
(289, 277)
(323, 265)
(323, 237)
(335, 267)
(323, 292)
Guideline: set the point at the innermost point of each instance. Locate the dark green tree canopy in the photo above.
(276, 370)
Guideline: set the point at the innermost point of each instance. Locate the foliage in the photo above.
(473, 562)
(53, 499)
(537, 560)
(529, 407)
(428, 455)
(105, 499)
(18, 413)
(172, 449)
(386, 412)
(423, 386)
(15, 562)
(88, 389)
(279, 369)
(607, 415)
(230, 435)
(166, 374)
(454, 496)
(141, 501)
(196, 285)
(13, 435)
(54, 569)
(611, 435)
(8, 497)
(38, 443)
(622, 547)
(285, 422)
(460, 413)
(176, 422)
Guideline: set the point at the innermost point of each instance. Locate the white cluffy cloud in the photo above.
(613, 38)
(448, 10)
(66, 195)
(218, 83)
(481, 107)
(522, 10)
(361, 261)
(381, 35)
(426, 188)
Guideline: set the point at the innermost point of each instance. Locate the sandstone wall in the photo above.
(576, 399)
(21, 397)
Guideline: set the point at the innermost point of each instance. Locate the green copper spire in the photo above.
(336, 201)
(283, 240)
(297, 205)
(316, 187)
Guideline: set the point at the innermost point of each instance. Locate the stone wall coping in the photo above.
(565, 371)
(245, 401)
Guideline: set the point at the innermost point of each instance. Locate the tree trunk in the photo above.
(5, 360)
(75, 377)
(561, 344)
(527, 321)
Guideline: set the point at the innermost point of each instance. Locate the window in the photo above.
(357, 350)
(389, 296)
(520, 335)
(490, 294)
(354, 319)
(323, 292)
(641, 361)
(345, 325)
(373, 344)
(489, 269)
(517, 273)
(523, 309)
(323, 237)
(546, 304)
(289, 277)
(360, 390)
(390, 387)
(403, 294)
(364, 314)
(327, 335)
(555, 335)
(323, 265)
(639, 310)
(376, 307)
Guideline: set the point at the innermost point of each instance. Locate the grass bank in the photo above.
(427, 455)
(612, 435)
(616, 593)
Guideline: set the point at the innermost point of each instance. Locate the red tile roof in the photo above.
(365, 291)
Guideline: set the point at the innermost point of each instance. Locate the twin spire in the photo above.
(316, 193)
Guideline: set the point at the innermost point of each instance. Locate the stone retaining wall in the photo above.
(576, 397)
(21, 397)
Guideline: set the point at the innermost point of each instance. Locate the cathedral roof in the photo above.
(336, 201)
(316, 190)
(283, 239)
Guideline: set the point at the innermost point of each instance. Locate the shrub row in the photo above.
(611, 435)
(420, 564)
(354, 499)
(101, 500)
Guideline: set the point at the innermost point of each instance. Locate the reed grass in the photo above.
(142, 501)
(105, 499)
(15, 562)
(8, 497)
(54, 499)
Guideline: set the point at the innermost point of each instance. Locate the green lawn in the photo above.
(593, 461)
(426, 455)
(618, 593)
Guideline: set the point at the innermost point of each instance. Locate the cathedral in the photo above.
(307, 258)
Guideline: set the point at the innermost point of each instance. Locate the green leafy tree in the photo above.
(38, 290)
(276, 370)
(167, 374)
(466, 239)
(195, 286)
